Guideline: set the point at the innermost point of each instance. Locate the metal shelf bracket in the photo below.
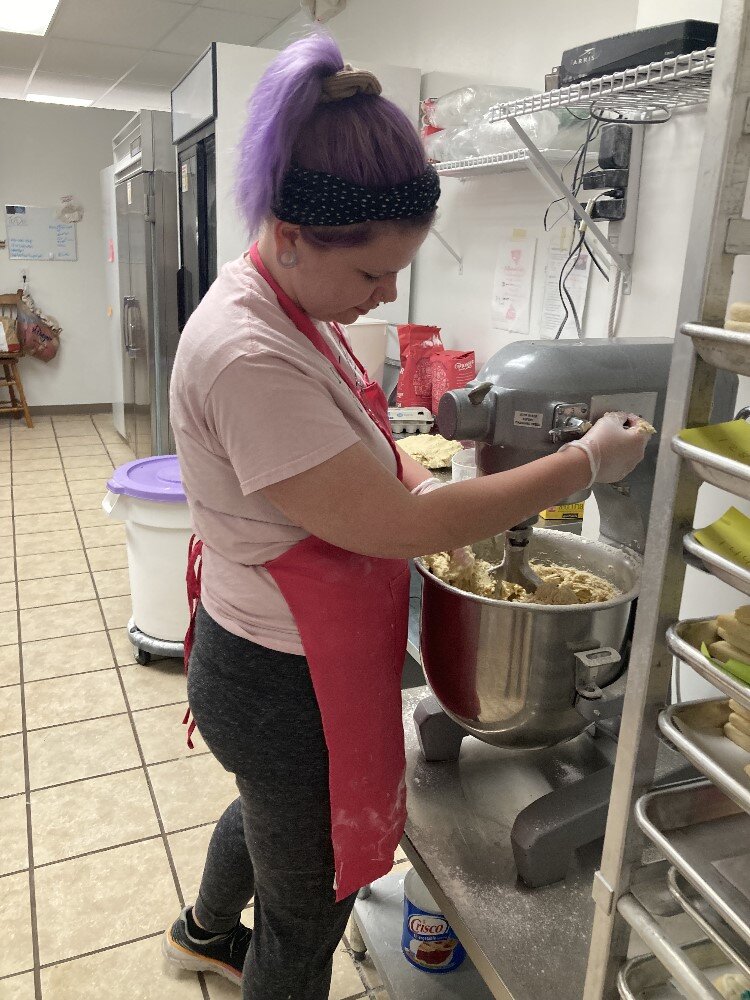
(459, 260)
(559, 190)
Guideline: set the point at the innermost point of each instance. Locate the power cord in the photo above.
(567, 269)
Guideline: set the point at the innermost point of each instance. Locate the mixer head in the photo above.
(531, 397)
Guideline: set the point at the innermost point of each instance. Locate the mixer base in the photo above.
(548, 831)
(439, 736)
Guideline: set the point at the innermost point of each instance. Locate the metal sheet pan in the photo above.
(716, 929)
(684, 640)
(645, 978)
(695, 728)
(697, 828)
(726, 349)
(711, 562)
(726, 473)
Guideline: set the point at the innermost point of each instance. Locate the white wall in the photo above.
(510, 42)
(48, 151)
(663, 11)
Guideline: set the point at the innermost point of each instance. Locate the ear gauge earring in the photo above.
(287, 258)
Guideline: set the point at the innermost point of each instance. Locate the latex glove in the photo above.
(614, 445)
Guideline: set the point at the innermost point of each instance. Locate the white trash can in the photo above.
(148, 496)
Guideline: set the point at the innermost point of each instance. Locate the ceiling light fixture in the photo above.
(79, 102)
(32, 17)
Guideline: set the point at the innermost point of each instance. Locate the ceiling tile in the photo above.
(12, 82)
(86, 88)
(277, 9)
(87, 59)
(137, 23)
(19, 51)
(203, 26)
(130, 98)
(160, 69)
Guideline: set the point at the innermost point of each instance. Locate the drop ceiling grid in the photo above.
(128, 53)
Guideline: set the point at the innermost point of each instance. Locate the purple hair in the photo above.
(363, 139)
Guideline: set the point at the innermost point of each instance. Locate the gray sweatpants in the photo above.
(256, 709)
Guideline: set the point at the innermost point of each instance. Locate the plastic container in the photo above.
(464, 465)
(428, 941)
(368, 338)
(148, 496)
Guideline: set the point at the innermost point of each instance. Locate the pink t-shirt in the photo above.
(252, 403)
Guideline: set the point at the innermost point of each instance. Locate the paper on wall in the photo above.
(577, 285)
(514, 276)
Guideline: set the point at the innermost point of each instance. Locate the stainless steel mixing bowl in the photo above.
(507, 672)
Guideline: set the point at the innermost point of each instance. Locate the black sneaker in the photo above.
(223, 953)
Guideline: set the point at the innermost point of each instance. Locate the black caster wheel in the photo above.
(360, 955)
(143, 657)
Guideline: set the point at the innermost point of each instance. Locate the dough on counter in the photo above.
(737, 736)
(430, 450)
(744, 713)
(561, 585)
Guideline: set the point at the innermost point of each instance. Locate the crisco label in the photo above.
(428, 941)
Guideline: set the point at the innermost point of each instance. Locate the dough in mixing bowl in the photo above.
(430, 450)
(561, 585)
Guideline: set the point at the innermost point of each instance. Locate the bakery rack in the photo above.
(702, 827)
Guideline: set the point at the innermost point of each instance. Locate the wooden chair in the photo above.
(16, 404)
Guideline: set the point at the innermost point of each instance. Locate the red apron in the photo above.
(352, 614)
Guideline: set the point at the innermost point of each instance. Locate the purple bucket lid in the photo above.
(156, 478)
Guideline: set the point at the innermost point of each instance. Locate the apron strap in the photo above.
(193, 581)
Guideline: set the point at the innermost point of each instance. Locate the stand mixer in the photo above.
(528, 676)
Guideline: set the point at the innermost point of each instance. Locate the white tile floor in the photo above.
(103, 809)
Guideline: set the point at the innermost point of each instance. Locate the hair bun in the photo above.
(347, 82)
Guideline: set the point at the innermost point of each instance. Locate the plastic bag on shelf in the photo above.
(499, 137)
(438, 144)
(468, 104)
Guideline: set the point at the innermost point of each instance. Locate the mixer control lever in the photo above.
(569, 421)
(477, 394)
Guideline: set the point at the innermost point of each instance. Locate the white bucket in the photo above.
(368, 338)
(157, 537)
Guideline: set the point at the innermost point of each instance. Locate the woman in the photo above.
(308, 514)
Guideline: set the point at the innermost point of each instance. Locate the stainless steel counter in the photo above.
(528, 944)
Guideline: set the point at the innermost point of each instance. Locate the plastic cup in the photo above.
(464, 465)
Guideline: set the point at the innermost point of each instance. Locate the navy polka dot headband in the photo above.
(314, 198)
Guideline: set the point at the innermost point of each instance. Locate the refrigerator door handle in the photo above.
(130, 303)
(127, 302)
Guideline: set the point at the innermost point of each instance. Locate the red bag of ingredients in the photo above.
(418, 344)
(450, 370)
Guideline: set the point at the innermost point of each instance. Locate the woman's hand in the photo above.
(614, 445)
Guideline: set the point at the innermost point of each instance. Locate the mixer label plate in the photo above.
(524, 418)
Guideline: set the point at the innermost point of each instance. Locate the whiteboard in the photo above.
(37, 234)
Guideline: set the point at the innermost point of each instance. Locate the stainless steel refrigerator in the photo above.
(194, 113)
(146, 207)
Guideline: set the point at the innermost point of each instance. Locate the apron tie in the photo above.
(193, 581)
